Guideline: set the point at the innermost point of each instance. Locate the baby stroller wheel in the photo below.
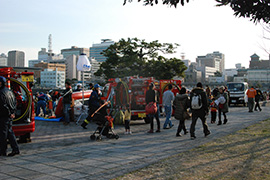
(93, 137)
(116, 136)
(109, 136)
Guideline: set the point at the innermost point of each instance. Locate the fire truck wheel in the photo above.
(26, 138)
(147, 120)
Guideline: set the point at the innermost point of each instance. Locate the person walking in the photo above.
(152, 96)
(213, 110)
(7, 109)
(94, 104)
(251, 93)
(257, 99)
(181, 104)
(167, 100)
(67, 101)
(223, 107)
(199, 107)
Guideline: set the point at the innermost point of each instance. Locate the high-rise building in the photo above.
(3, 60)
(96, 49)
(74, 51)
(187, 62)
(53, 66)
(52, 78)
(71, 68)
(221, 56)
(215, 60)
(16, 58)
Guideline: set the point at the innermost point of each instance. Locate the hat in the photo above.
(96, 86)
(3, 79)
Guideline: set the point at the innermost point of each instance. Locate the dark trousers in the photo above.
(195, 116)
(250, 104)
(152, 120)
(219, 115)
(257, 105)
(181, 126)
(127, 124)
(213, 116)
(6, 133)
(41, 104)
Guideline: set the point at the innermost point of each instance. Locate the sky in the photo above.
(199, 27)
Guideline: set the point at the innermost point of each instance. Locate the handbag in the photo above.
(151, 108)
(187, 115)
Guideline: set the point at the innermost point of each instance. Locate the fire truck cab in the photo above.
(20, 83)
(132, 91)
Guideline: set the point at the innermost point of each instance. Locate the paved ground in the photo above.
(66, 152)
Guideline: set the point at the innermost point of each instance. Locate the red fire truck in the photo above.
(20, 83)
(132, 90)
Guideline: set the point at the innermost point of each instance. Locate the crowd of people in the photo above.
(194, 104)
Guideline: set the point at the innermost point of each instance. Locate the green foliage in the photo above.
(137, 57)
(218, 74)
(256, 10)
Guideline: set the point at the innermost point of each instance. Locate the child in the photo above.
(127, 119)
(213, 111)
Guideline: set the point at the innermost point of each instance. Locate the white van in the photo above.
(238, 92)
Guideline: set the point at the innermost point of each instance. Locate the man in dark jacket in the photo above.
(67, 100)
(94, 104)
(7, 109)
(199, 109)
(257, 99)
(152, 96)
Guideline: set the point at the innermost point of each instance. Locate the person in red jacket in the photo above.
(251, 93)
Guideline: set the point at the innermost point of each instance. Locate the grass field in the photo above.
(244, 155)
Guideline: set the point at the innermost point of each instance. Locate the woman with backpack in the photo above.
(181, 104)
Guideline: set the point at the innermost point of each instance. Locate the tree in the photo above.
(137, 57)
(218, 74)
(256, 10)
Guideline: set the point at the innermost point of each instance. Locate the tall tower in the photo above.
(50, 46)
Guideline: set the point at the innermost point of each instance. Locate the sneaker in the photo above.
(178, 134)
(13, 153)
(171, 126)
(207, 134)
(150, 131)
(126, 133)
(193, 137)
(129, 132)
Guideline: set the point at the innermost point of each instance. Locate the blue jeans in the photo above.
(66, 112)
(41, 104)
(168, 112)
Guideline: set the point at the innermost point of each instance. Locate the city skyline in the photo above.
(198, 27)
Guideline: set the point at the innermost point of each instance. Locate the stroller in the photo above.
(105, 124)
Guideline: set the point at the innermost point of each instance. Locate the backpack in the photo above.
(119, 117)
(196, 101)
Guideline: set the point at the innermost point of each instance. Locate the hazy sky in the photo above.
(199, 27)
